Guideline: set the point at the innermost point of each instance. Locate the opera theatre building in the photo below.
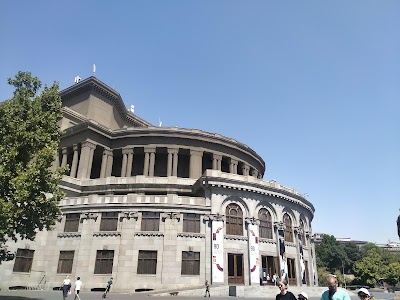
(161, 208)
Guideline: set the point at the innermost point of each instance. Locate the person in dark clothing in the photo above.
(207, 289)
(284, 293)
(66, 287)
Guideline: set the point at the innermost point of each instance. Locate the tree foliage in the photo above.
(29, 137)
(370, 268)
(330, 254)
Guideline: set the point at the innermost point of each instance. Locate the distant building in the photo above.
(161, 207)
(393, 247)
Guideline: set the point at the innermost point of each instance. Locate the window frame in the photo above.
(288, 228)
(191, 222)
(72, 222)
(190, 263)
(23, 260)
(150, 221)
(102, 263)
(265, 227)
(64, 260)
(234, 223)
(109, 221)
(147, 262)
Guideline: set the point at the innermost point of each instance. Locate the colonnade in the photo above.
(83, 154)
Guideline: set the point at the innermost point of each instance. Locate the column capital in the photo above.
(279, 225)
(171, 215)
(127, 150)
(89, 144)
(149, 149)
(214, 217)
(64, 150)
(233, 161)
(173, 150)
(298, 230)
(217, 156)
(253, 221)
(90, 216)
(75, 147)
(128, 215)
(195, 152)
(108, 152)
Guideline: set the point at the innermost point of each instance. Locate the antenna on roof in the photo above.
(132, 108)
(94, 69)
(159, 122)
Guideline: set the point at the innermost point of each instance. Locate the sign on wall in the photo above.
(254, 254)
(217, 252)
(302, 264)
(282, 255)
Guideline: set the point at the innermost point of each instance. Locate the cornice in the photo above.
(267, 241)
(236, 237)
(106, 233)
(149, 233)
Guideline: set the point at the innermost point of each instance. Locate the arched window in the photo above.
(303, 230)
(234, 219)
(288, 228)
(265, 223)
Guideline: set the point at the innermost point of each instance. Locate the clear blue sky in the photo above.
(312, 86)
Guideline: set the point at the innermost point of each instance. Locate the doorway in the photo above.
(235, 269)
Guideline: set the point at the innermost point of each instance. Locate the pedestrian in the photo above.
(78, 285)
(109, 284)
(274, 279)
(302, 296)
(284, 293)
(364, 294)
(207, 289)
(66, 287)
(333, 292)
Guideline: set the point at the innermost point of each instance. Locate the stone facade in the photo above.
(156, 207)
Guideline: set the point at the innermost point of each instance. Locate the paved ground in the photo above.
(54, 295)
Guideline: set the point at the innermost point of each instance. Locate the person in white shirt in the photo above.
(78, 285)
(66, 287)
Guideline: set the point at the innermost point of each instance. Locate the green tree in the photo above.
(393, 273)
(353, 254)
(330, 254)
(370, 268)
(29, 137)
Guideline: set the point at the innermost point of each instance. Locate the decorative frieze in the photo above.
(171, 215)
(236, 238)
(149, 233)
(128, 215)
(106, 233)
(68, 234)
(267, 241)
(191, 235)
(214, 217)
(89, 216)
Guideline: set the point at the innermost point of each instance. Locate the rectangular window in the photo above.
(65, 262)
(191, 223)
(190, 263)
(150, 221)
(147, 262)
(104, 262)
(109, 221)
(72, 222)
(23, 260)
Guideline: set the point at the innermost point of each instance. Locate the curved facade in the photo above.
(158, 207)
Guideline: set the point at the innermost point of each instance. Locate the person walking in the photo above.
(364, 294)
(284, 293)
(333, 292)
(109, 284)
(66, 287)
(207, 289)
(78, 285)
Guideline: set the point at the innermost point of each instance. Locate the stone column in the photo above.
(74, 167)
(233, 166)
(104, 163)
(254, 173)
(91, 154)
(149, 160)
(245, 169)
(170, 241)
(124, 161)
(217, 161)
(169, 163)
(86, 159)
(195, 163)
(110, 159)
(130, 161)
(64, 157)
(152, 163)
(175, 151)
(254, 252)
